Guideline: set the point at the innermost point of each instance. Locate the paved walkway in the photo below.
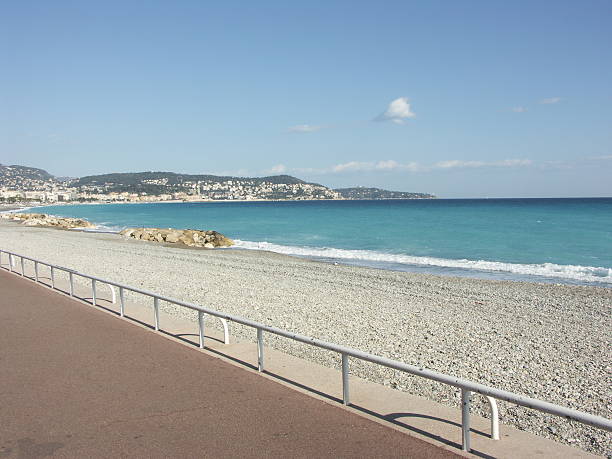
(78, 382)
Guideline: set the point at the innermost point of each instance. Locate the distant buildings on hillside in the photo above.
(20, 183)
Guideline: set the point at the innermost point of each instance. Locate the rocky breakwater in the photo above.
(48, 221)
(188, 237)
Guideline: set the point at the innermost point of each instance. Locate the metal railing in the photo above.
(467, 387)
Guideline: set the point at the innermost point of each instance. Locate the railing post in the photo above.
(71, 283)
(494, 417)
(260, 350)
(121, 302)
(113, 294)
(345, 379)
(201, 328)
(22, 268)
(10, 262)
(156, 310)
(36, 271)
(465, 419)
(93, 292)
(52, 277)
(225, 331)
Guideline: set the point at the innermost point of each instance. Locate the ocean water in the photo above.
(543, 240)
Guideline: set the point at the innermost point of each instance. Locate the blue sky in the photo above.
(457, 98)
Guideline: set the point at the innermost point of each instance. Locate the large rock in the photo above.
(49, 221)
(188, 237)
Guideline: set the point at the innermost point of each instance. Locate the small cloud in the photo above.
(278, 169)
(305, 128)
(397, 112)
(453, 164)
(456, 163)
(387, 165)
(352, 166)
(390, 165)
(519, 109)
(550, 100)
(512, 163)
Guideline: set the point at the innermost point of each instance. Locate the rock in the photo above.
(50, 221)
(173, 236)
(188, 237)
(128, 232)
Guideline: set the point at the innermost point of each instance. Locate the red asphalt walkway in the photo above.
(77, 382)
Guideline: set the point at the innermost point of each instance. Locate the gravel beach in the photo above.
(546, 341)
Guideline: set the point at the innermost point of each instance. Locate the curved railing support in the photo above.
(114, 295)
(494, 417)
(225, 330)
(201, 320)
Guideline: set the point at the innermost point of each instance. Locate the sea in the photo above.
(538, 240)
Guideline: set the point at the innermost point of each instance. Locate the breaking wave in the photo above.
(588, 274)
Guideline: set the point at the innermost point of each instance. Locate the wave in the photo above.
(590, 274)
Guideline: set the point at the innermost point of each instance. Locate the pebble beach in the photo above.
(546, 341)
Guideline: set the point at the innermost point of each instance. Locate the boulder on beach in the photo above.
(188, 237)
(48, 221)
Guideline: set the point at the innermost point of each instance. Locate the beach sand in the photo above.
(547, 341)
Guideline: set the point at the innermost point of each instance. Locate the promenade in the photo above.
(77, 382)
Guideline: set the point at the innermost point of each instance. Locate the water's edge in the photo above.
(494, 270)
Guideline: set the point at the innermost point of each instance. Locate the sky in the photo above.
(457, 98)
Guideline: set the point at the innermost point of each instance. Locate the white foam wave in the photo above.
(580, 273)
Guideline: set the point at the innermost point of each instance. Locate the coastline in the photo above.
(543, 340)
(539, 269)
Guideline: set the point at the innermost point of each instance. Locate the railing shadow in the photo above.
(393, 419)
(233, 359)
(196, 341)
(303, 386)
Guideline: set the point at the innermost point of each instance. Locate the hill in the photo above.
(172, 178)
(16, 176)
(378, 193)
(158, 185)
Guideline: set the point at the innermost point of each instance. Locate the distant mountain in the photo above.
(378, 193)
(172, 178)
(185, 185)
(24, 172)
(21, 177)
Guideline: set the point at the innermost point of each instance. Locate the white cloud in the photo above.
(394, 165)
(391, 165)
(550, 100)
(352, 166)
(454, 164)
(519, 109)
(512, 163)
(386, 165)
(278, 169)
(305, 128)
(397, 112)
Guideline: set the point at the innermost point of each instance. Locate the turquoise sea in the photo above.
(544, 240)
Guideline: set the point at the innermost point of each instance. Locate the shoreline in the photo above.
(545, 273)
(543, 340)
